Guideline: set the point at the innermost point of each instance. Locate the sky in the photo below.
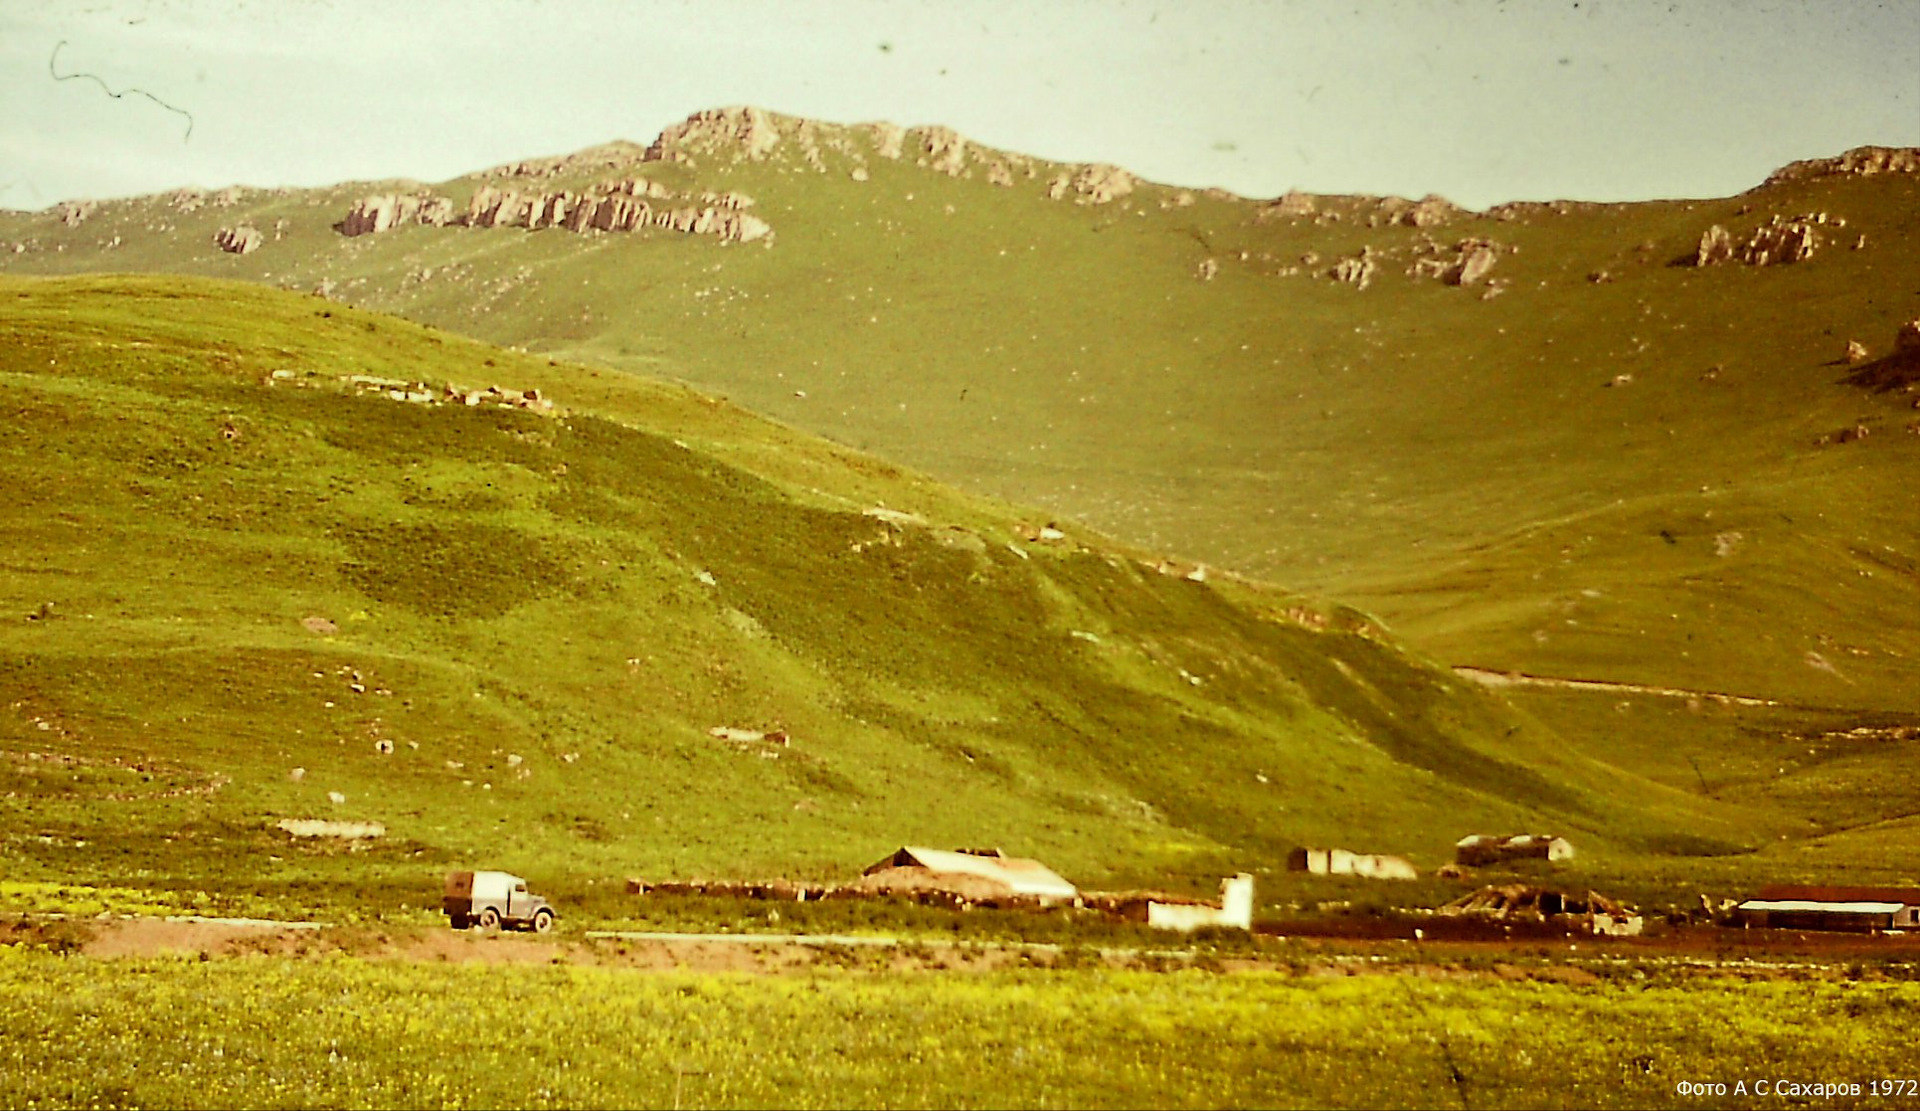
(1477, 100)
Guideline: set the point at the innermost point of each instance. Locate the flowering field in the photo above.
(347, 1032)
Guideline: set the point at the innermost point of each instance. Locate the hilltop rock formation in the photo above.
(73, 213)
(1858, 162)
(237, 241)
(744, 130)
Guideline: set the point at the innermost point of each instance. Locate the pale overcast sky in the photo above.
(1479, 101)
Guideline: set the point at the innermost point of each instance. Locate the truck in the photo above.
(491, 900)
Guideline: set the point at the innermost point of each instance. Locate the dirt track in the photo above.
(1702, 950)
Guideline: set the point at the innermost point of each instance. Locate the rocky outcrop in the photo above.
(620, 210)
(1716, 246)
(1429, 211)
(1097, 183)
(942, 150)
(74, 213)
(1778, 241)
(1858, 162)
(616, 206)
(1476, 258)
(1907, 339)
(1293, 205)
(639, 187)
(242, 240)
(381, 212)
(888, 139)
(1464, 263)
(1357, 271)
(747, 131)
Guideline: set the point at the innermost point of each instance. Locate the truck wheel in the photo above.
(542, 922)
(489, 919)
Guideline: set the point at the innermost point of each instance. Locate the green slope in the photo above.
(542, 615)
(1414, 447)
(1637, 480)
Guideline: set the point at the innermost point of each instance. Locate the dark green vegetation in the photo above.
(1637, 479)
(528, 623)
(271, 1032)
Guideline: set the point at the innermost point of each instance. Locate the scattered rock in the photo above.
(319, 625)
(1856, 351)
(297, 774)
(320, 827)
(1207, 270)
(336, 798)
(1726, 543)
(1907, 338)
(383, 746)
(74, 213)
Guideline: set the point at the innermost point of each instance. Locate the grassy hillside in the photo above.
(506, 633)
(1621, 478)
(1595, 463)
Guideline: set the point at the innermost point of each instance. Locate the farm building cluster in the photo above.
(969, 878)
(962, 879)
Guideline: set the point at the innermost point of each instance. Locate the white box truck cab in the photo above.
(490, 900)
